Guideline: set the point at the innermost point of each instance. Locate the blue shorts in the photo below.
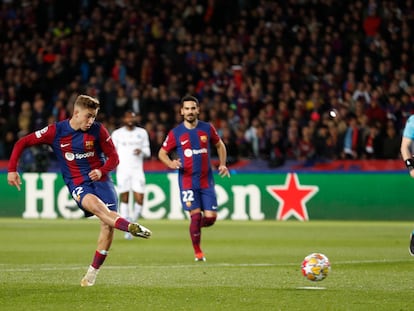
(205, 199)
(104, 190)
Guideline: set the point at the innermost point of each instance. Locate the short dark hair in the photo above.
(189, 98)
(129, 111)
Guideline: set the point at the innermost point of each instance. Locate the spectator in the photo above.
(372, 143)
(372, 23)
(391, 143)
(25, 119)
(361, 93)
(228, 137)
(59, 111)
(334, 142)
(306, 147)
(252, 138)
(275, 149)
(375, 113)
(292, 142)
(121, 101)
(352, 139)
(321, 140)
(39, 114)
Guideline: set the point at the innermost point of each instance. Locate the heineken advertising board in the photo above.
(244, 196)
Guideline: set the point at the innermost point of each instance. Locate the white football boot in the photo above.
(90, 277)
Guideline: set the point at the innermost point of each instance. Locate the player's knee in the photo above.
(209, 221)
(196, 217)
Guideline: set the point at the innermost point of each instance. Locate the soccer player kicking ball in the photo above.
(191, 141)
(86, 155)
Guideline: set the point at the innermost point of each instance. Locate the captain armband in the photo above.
(409, 163)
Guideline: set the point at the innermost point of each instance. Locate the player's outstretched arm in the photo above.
(43, 136)
(13, 178)
(35, 138)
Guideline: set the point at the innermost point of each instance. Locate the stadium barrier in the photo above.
(244, 196)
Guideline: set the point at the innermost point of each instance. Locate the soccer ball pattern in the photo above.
(316, 267)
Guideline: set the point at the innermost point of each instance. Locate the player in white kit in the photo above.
(133, 146)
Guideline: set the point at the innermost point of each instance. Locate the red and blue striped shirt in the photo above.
(78, 152)
(193, 147)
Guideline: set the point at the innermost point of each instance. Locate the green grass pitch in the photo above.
(250, 266)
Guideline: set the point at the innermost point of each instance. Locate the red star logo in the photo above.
(292, 198)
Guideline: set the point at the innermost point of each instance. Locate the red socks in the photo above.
(122, 224)
(99, 259)
(195, 232)
(197, 222)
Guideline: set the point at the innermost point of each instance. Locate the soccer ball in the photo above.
(316, 267)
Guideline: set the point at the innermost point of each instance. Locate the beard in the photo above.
(190, 118)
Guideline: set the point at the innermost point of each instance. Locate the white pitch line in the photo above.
(311, 287)
(3, 267)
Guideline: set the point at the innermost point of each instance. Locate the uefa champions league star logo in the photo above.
(292, 198)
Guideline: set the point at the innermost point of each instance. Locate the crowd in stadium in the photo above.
(304, 80)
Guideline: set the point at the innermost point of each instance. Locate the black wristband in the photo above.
(409, 163)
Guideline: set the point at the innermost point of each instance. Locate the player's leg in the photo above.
(91, 198)
(123, 179)
(209, 218)
(138, 202)
(195, 233)
(106, 235)
(124, 204)
(124, 185)
(124, 211)
(198, 220)
(87, 198)
(190, 200)
(138, 190)
(97, 207)
(204, 217)
(209, 206)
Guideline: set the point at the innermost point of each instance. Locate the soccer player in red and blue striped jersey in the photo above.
(192, 141)
(86, 156)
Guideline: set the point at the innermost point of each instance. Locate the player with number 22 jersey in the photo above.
(190, 142)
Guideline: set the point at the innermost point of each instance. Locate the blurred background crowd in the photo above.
(303, 80)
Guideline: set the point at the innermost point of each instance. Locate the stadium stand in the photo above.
(304, 82)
